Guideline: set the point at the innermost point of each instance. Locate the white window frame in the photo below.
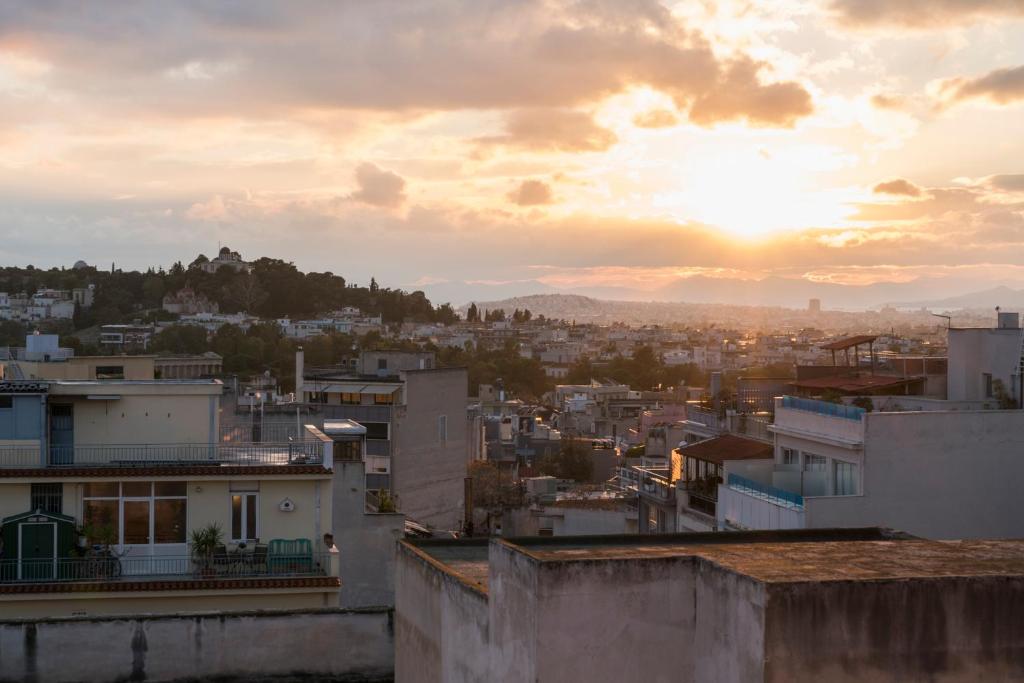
(255, 527)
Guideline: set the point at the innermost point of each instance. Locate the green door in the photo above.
(37, 551)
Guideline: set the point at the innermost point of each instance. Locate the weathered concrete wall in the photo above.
(428, 471)
(610, 621)
(943, 629)
(441, 633)
(342, 644)
(366, 542)
(729, 626)
(513, 614)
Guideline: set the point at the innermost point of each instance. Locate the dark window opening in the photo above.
(48, 498)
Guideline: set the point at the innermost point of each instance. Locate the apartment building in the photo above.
(416, 427)
(104, 483)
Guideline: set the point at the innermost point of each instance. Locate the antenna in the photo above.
(947, 317)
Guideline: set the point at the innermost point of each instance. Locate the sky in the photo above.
(511, 144)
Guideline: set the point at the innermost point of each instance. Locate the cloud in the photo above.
(656, 118)
(1008, 183)
(922, 13)
(553, 130)
(378, 187)
(1002, 86)
(888, 102)
(267, 58)
(531, 193)
(898, 187)
(740, 95)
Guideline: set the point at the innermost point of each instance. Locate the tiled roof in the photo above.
(160, 471)
(171, 585)
(728, 447)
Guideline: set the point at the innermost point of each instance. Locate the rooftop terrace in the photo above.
(790, 556)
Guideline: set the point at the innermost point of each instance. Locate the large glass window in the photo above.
(383, 399)
(244, 516)
(815, 463)
(351, 398)
(845, 478)
(136, 512)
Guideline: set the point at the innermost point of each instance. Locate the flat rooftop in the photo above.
(797, 556)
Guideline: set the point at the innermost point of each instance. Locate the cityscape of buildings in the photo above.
(512, 341)
(140, 481)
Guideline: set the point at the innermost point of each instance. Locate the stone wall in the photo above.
(355, 645)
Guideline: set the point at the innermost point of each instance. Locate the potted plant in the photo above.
(204, 542)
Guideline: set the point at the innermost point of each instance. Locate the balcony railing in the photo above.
(823, 408)
(140, 455)
(169, 567)
(765, 492)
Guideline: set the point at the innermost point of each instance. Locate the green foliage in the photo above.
(864, 402)
(523, 377)
(644, 371)
(180, 339)
(204, 540)
(274, 289)
(573, 461)
(492, 489)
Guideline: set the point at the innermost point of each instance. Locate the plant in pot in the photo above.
(204, 542)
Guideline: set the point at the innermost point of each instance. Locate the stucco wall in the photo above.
(346, 645)
(14, 499)
(728, 643)
(937, 630)
(92, 604)
(427, 473)
(609, 621)
(513, 615)
(441, 634)
(973, 352)
(366, 542)
(937, 475)
(133, 419)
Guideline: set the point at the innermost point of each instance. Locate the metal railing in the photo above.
(134, 455)
(171, 567)
(765, 492)
(705, 416)
(823, 407)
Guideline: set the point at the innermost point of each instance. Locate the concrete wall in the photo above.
(366, 541)
(728, 631)
(14, 499)
(442, 634)
(427, 473)
(973, 352)
(610, 621)
(744, 511)
(937, 475)
(938, 630)
(97, 604)
(134, 419)
(84, 367)
(340, 644)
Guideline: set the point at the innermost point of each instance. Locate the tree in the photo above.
(245, 292)
(189, 339)
(472, 314)
(572, 461)
(493, 490)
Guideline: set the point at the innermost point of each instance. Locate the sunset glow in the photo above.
(612, 138)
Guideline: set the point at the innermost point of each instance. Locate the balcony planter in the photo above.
(204, 542)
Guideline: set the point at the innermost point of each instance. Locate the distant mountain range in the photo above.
(932, 293)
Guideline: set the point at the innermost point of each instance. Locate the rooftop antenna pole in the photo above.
(947, 317)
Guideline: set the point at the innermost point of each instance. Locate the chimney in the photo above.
(300, 367)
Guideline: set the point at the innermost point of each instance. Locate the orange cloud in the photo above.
(1002, 86)
(656, 118)
(898, 187)
(553, 130)
(922, 13)
(378, 187)
(531, 193)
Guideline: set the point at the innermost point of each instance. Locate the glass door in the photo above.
(136, 535)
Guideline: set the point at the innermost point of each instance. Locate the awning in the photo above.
(380, 389)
